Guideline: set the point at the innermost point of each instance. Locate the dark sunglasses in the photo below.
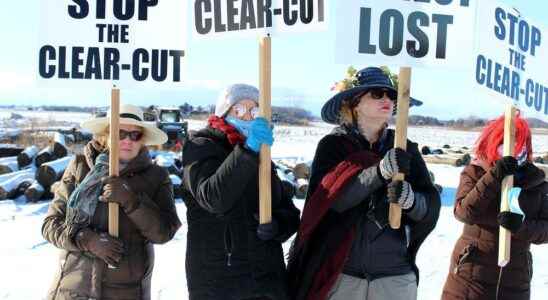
(133, 135)
(378, 94)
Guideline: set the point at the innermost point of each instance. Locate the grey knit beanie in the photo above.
(233, 94)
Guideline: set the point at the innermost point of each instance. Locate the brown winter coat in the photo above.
(81, 275)
(473, 273)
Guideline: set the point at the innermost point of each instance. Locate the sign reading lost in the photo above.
(248, 17)
(406, 33)
(511, 58)
(119, 40)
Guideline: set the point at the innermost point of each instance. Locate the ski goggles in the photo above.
(132, 135)
(241, 110)
(521, 157)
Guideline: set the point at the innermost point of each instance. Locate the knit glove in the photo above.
(400, 192)
(102, 245)
(394, 161)
(267, 231)
(505, 166)
(117, 190)
(259, 133)
(510, 221)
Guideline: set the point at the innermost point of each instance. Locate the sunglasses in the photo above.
(132, 135)
(379, 94)
(241, 110)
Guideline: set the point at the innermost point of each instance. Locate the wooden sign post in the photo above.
(507, 184)
(265, 82)
(404, 91)
(113, 157)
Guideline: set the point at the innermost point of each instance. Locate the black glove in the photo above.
(117, 190)
(102, 245)
(395, 161)
(505, 166)
(510, 221)
(268, 231)
(400, 192)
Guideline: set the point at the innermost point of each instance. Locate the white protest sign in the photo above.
(241, 18)
(512, 58)
(430, 33)
(127, 42)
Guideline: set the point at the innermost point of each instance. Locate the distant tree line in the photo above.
(285, 115)
(468, 122)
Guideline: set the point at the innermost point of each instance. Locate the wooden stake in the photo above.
(507, 184)
(265, 69)
(404, 87)
(113, 209)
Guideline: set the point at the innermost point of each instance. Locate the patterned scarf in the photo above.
(233, 136)
(83, 200)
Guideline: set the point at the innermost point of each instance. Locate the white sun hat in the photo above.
(129, 115)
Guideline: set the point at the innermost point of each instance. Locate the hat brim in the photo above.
(152, 135)
(332, 108)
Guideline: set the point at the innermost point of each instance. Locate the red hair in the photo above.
(492, 136)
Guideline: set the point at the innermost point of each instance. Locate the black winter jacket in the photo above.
(225, 259)
(378, 250)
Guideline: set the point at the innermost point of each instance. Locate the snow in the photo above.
(28, 262)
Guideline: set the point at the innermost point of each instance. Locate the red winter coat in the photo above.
(473, 273)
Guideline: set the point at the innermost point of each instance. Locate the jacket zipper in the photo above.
(228, 245)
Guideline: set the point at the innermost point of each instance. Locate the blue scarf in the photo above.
(82, 202)
(242, 126)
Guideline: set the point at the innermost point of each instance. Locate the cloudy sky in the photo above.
(304, 69)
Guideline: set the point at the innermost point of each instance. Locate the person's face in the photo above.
(131, 141)
(375, 104)
(246, 110)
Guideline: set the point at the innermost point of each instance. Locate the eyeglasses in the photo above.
(241, 110)
(379, 94)
(133, 135)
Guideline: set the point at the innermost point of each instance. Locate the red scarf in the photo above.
(233, 136)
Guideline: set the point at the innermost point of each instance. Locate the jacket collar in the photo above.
(139, 163)
(352, 132)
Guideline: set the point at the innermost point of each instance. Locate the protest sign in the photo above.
(237, 18)
(103, 41)
(511, 59)
(263, 19)
(420, 33)
(406, 33)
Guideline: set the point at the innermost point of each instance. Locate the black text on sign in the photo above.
(212, 16)
(105, 63)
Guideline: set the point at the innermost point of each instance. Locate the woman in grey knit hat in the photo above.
(231, 256)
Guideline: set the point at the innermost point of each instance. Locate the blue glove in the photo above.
(259, 133)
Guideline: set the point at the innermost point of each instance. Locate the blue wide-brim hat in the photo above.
(367, 78)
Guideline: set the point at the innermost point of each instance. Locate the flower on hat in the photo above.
(351, 79)
(393, 76)
(348, 82)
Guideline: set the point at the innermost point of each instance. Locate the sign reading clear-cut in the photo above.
(432, 33)
(511, 58)
(119, 40)
(222, 18)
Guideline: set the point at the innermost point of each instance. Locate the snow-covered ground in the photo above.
(27, 262)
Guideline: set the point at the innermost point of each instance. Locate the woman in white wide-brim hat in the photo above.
(77, 219)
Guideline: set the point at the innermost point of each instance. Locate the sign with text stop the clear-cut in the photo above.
(511, 58)
(430, 33)
(99, 42)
